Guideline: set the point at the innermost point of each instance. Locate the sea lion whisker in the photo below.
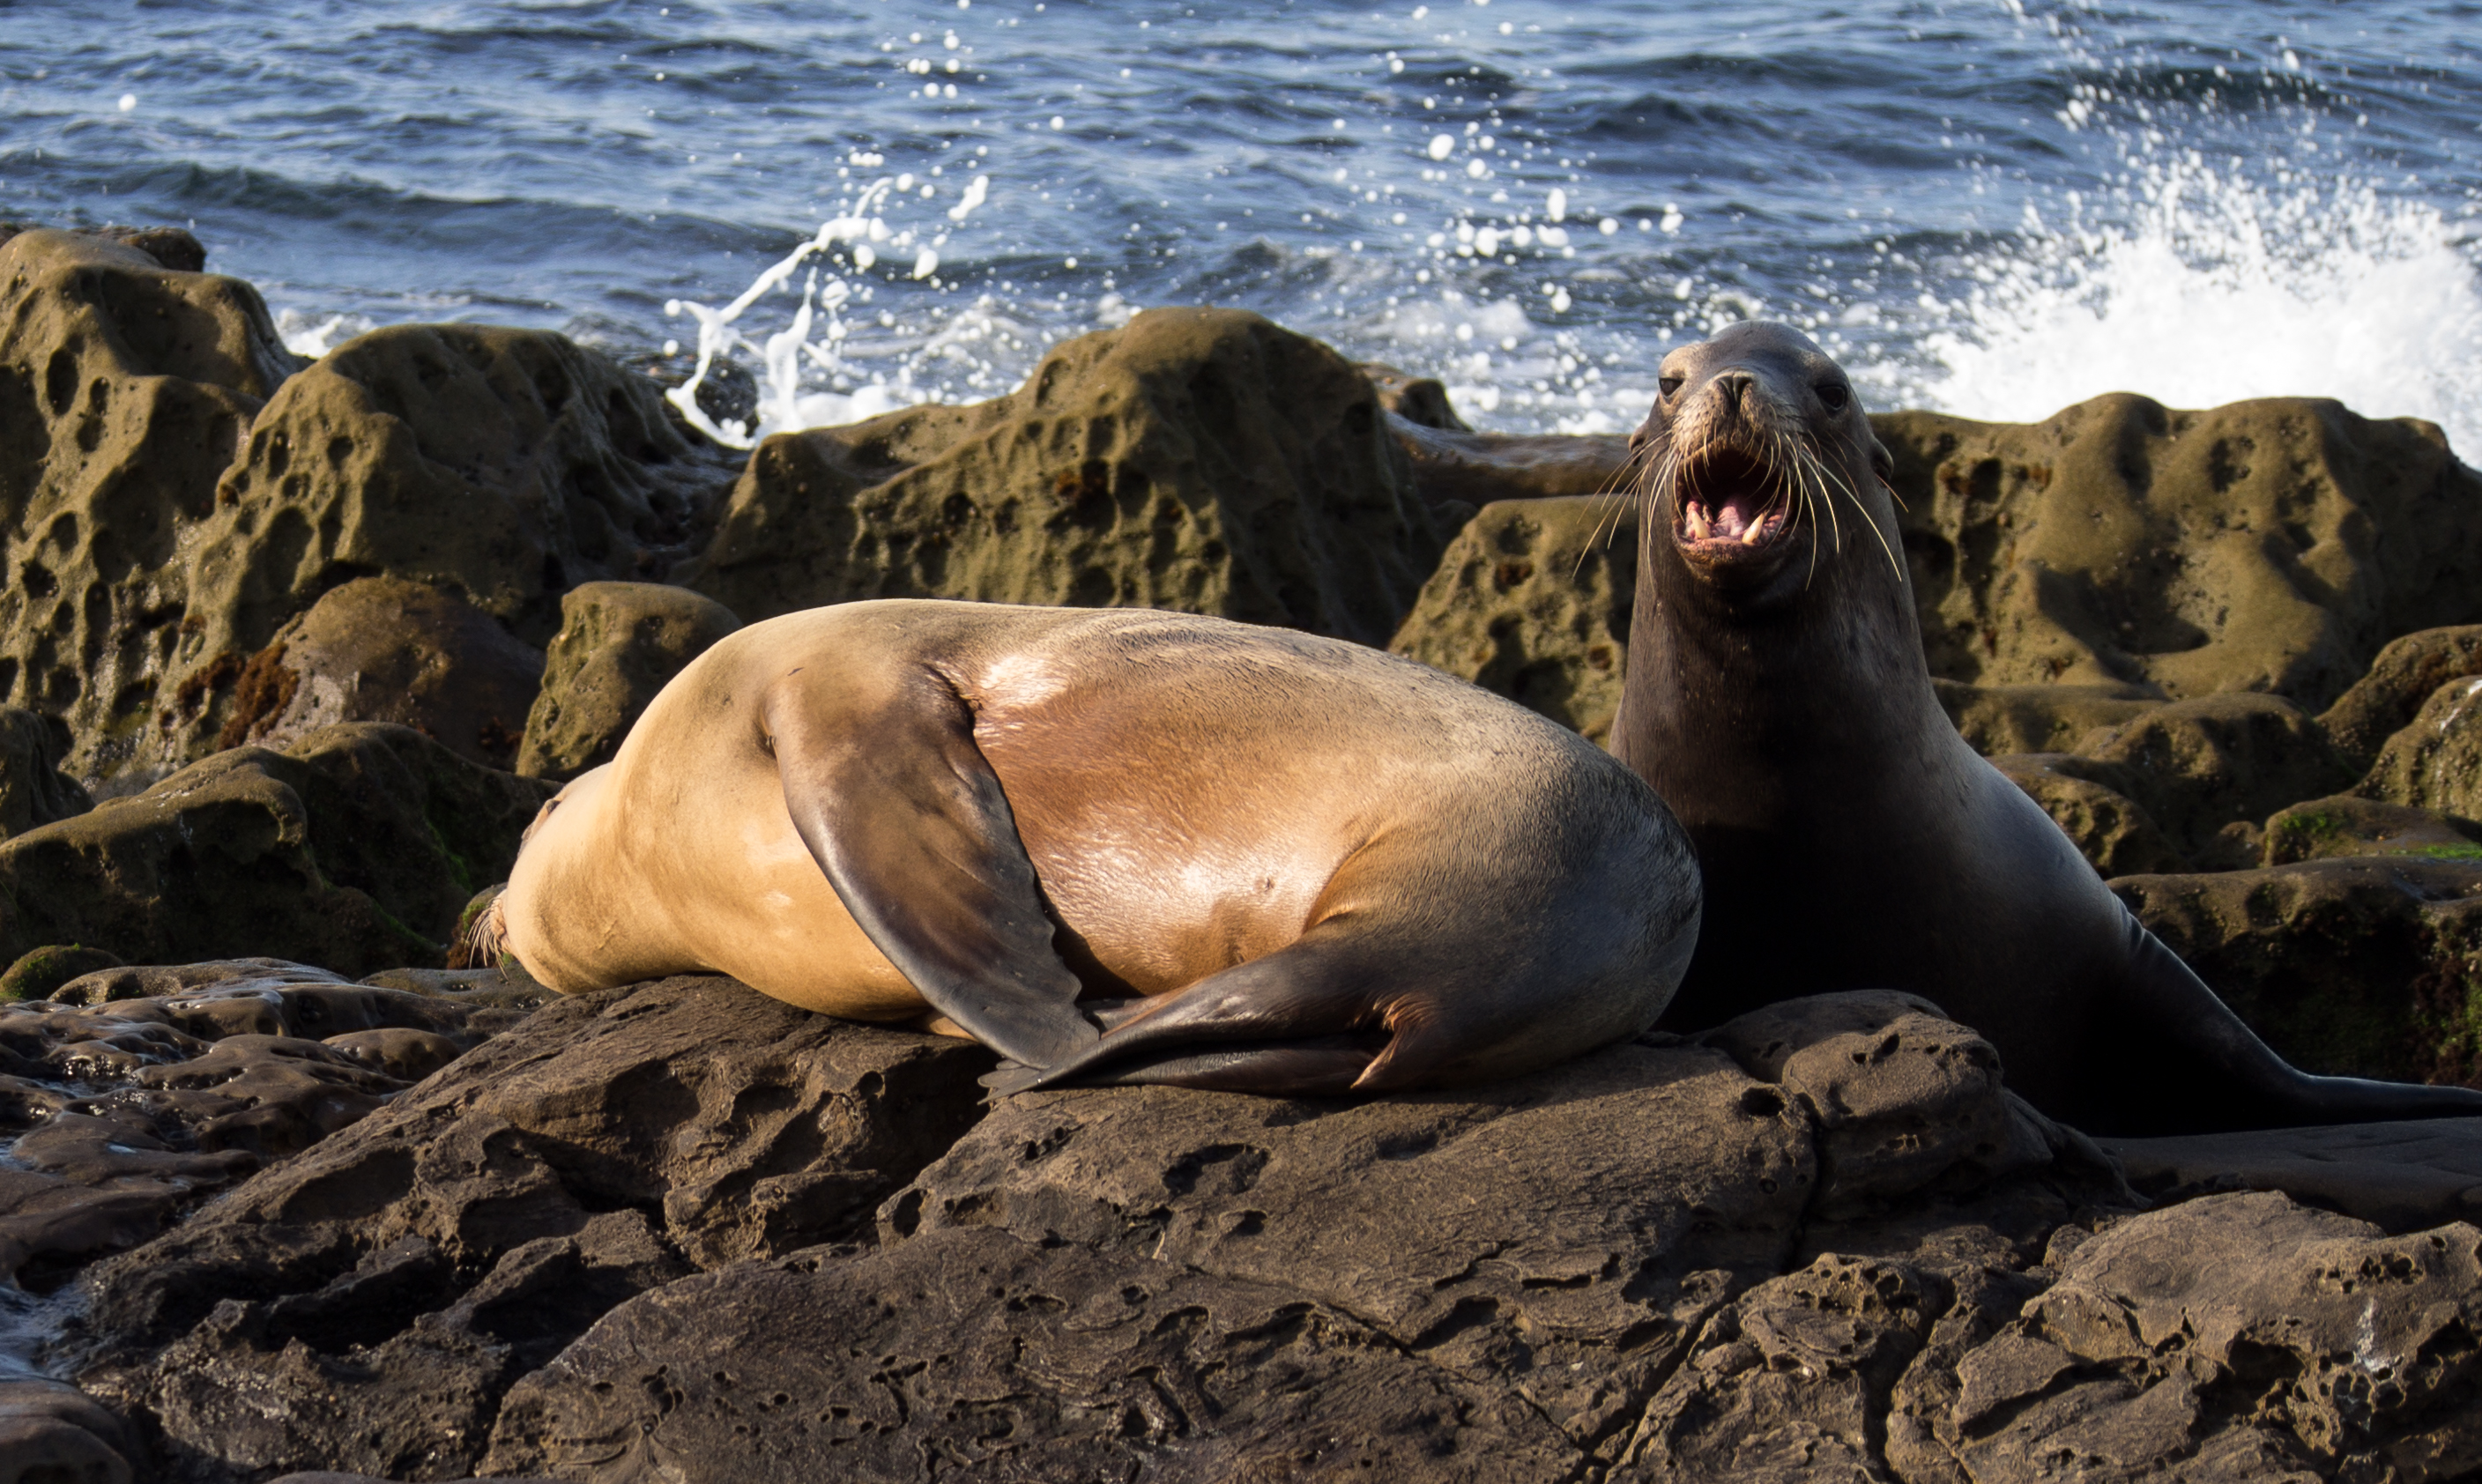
(1849, 493)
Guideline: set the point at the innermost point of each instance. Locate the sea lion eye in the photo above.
(1835, 396)
(1671, 384)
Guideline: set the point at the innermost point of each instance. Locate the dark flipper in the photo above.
(1318, 1066)
(2213, 1075)
(910, 823)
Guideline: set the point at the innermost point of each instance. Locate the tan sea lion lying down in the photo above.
(1319, 867)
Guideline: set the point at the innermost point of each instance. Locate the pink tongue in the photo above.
(1732, 521)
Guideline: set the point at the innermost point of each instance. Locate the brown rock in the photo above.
(2404, 1177)
(2435, 762)
(2268, 545)
(1199, 460)
(355, 848)
(2208, 769)
(1997, 720)
(385, 649)
(1420, 400)
(49, 1434)
(2238, 1336)
(366, 1305)
(1457, 471)
(618, 643)
(125, 389)
(503, 465)
(2365, 966)
(33, 789)
(2405, 674)
(2343, 825)
(1531, 600)
(2112, 830)
(1070, 1364)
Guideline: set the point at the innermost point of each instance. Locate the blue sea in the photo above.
(1989, 206)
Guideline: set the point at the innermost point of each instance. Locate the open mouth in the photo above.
(1731, 503)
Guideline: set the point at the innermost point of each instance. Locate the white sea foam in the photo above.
(2199, 286)
(306, 335)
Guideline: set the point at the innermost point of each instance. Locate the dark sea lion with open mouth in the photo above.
(1778, 699)
(1297, 865)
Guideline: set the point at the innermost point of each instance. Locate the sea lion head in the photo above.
(1759, 461)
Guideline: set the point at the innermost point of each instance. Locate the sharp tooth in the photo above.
(1758, 528)
(1698, 528)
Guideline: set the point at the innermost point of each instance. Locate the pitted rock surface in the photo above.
(2210, 769)
(2406, 673)
(2435, 761)
(1195, 459)
(2346, 825)
(2001, 719)
(618, 643)
(366, 1305)
(2112, 830)
(32, 788)
(1531, 600)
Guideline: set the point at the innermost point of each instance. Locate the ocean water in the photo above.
(1994, 207)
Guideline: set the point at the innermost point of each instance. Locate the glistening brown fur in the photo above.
(1778, 699)
(1319, 867)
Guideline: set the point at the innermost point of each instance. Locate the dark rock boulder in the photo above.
(385, 649)
(1199, 460)
(2368, 965)
(53, 1434)
(139, 1091)
(2406, 673)
(2111, 829)
(2237, 1336)
(38, 971)
(503, 465)
(32, 788)
(618, 643)
(125, 389)
(355, 848)
(1531, 600)
(2268, 545)
(2210, 768)
(2435, 761)
(2404, 1176)
(2344, 825)
(365, 1305)
(1997, 720)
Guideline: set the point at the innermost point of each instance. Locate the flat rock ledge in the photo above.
(678, 1231)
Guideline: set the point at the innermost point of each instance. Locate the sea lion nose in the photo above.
(1729, 385)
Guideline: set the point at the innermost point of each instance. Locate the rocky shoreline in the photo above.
(292, 651)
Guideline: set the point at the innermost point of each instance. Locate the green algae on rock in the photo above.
(354, 849)
(37, 972)
(1531, 600)
(1200, 460)
(2271, 545)
(2348, 824)
(618, 643)
(2211, 768)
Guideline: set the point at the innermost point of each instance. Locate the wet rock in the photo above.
(1997, 720)
(2269, 546)
(503, 465)
(2404, 1177)
(2406, 673)
(355, 848)
(2365, 966)
(38, 971)
(2210, 768)
(2111, 829)
(1531, 600)
(2343, 825)
(2236, 1337)
(1199, 460)
(125, 389)
(50, 1434)
(618, 643)
(33, 789)
(366, 1306)
(2435, 761)
(1006, 1361)
(142, 1088)
(385, 649)
(1458, 470)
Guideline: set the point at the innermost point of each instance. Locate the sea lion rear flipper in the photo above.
(910, 826)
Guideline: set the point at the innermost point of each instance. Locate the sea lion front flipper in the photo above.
(910, 826)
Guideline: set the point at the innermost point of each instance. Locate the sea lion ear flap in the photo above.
(912, 828)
